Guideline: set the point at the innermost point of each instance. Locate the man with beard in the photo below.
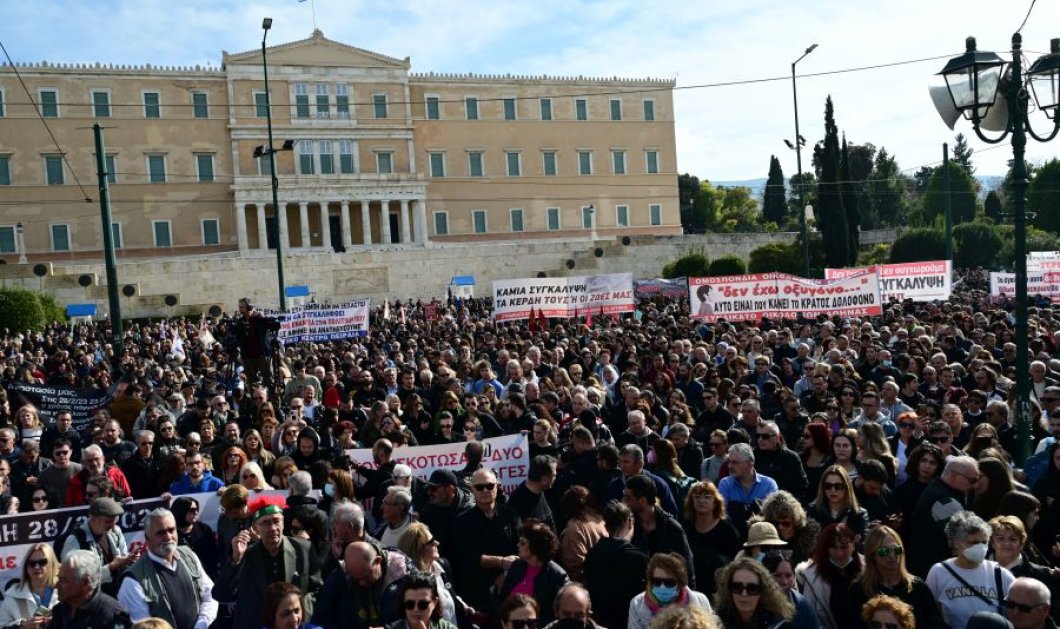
(168, 582)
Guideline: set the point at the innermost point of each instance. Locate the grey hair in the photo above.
(571, 586)
(401, 496)
(350, 514)
(85, 565)
(679, 430)
(999, 406)
(8, 432)
(963, 524)
(157, 514)
(301, 483)
(89, 451)
(742, 450)
(633, 451)
(633, 414)
(960, 465)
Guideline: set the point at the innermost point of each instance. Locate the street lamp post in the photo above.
(973, 80)
(266, 24)
(798, 164)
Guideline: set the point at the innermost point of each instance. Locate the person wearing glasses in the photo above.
(944, 497)
(196, 535)
(518, 611)
(419, 606)
(667, 585)
(28, 601)
(1028, 605)
(749, 598)
(775, 460)
(885, 574)
(535, 573)
(484, 541)
(885, 612)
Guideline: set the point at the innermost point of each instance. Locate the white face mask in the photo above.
(975, 553)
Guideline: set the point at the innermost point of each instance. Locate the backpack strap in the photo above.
(978, 594)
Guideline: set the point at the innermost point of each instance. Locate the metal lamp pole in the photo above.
(798, 164)
(266, 24)
(972, 80)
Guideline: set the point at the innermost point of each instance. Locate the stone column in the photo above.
(325, 226)
(284, 240)
(347, 239)
(303, 216)
(384, 226)
(263, 233)
(406, 238)
(422, 229)
(366, 222)
(241, 227)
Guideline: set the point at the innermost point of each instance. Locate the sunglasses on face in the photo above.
(484, 487)
(750, 589)
(834, 486)
(40, 500)
(529, 623)
(938, 440)
(1021, 607)
(663, 582)
(37, 563)
(887, 551)
(906, 425)
(421, 604)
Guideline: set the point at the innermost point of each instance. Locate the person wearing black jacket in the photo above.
(943, 497)
(615, 568)
(251, 331)
(776, 461)
(484, 541)
(61, 429)
(655, 530)
(82, 605)
(143, 468)
(538, 544)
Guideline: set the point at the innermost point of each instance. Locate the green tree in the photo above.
(851, 202)
(921, 178)
(809, 196)
(727, 265)
(887, 196)
(830, 213)
(992, 206)
(687, 191)
(692, 264)
(918, 244)
(962, 153)
(20, 310)
(738, 210)
(1043, 197)
(775, 198)
(776, 256)
(705, 208)
(965, 197)
(975, 244)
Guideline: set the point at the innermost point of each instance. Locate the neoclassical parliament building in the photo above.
(380, 156)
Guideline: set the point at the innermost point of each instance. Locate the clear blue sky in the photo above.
(723, 133)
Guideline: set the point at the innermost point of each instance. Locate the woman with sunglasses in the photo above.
(836, 503)
(749, 598)
(285, 608)
(781, 566)
(232, 462)
(885, 574)
(420, 545)
(196, 535)
(667, 585)
(518, 611)
(29, 600)
(40, 499)
(419, 606)
(847, 410)
(825, 578)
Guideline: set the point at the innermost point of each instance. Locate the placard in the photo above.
(783, 296)
(563, 297)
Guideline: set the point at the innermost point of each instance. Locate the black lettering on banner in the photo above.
(51, 524)
(82, 403)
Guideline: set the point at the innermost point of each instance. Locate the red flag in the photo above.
(542, 320)
(588, 317)
(531, 324)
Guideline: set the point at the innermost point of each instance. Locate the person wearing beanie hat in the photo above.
(276, 557)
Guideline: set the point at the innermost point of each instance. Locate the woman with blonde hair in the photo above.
(421, 547)
(872, 444)
(282, 470)
(885, 574)
(30, 425)
(252, 477)
(34, 591)
(1008, 544)
(254, 446)
(749, 598)
(836, 502)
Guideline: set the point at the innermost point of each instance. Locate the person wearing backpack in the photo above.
(101, 535)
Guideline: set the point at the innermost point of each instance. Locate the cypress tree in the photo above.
(831, 215)
(774, 200)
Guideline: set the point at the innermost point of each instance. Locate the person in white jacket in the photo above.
(28, 602)
(667, 587)
(834, 565)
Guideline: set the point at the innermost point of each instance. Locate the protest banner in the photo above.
(508, 457)
(563, 297)
(783, 296)
(20, 531)
(319, 323)
(647, 288)
(1044, 284)
(49, 399)
(919, 281)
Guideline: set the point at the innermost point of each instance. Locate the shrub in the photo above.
(877, 255)
(975, 244)
(1037, 240)
(727, 265)
(51, 308)
(776, 256)
(692, 264)
(918, 244)
(20, 310)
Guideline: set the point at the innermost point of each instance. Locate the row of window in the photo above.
(155, 163)
(553, 219)
(162, 232)
(513, 163)
(151, 103)
(321, 106)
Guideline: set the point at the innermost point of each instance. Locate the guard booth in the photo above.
(81, 313)
(296, 296)
(462, 286)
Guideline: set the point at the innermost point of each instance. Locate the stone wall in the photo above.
(391, 272)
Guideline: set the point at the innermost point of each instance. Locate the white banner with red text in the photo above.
(1044, 284)
(783, 296)
(508, 457)
(563, 297)
(919, 281)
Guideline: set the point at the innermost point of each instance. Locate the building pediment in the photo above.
(317, 51)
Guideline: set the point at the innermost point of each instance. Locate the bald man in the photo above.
(364, 593)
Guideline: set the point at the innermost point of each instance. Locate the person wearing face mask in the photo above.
(968, 582)
(825, 579)
(667, 585)
(573, 609)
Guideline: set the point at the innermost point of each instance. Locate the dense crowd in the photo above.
(835, 473)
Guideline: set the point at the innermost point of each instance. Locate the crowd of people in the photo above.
(818, 473)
